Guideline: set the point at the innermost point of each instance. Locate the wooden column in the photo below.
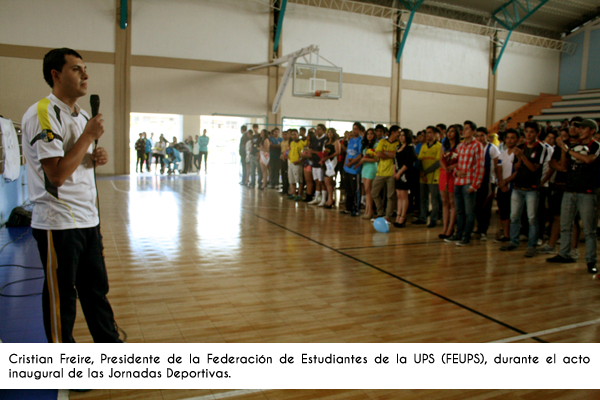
(396, 89)
(274, 75)
(122, 90)
(492, 85)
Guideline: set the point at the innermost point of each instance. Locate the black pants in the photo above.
(542, 211)
(158, 161)
(285, 183)
(187, 162)
(205, 155)
(74, 267)
(274, 169)
(140, 161)
(352, 188)
(484, 200)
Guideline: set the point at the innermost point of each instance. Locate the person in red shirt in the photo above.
(468, 177)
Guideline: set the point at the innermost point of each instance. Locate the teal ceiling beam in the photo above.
(123, 14)
(515, 12)
(279, 14)
(412, 6)
(511, 15)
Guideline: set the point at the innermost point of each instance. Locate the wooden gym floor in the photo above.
(199, 258)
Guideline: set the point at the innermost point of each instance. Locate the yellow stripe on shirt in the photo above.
(53, 292)
(42, 111)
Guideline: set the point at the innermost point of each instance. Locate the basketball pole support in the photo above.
(412, 6)
(291, 58)
(509, 16)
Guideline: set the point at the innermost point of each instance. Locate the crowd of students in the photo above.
(545, 180)
(169, 155)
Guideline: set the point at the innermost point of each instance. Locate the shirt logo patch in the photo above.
(47, 135)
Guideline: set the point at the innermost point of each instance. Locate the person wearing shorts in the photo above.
(369, 169)
(316, 150)
(448, 162)
(329, 161)
(295, 166)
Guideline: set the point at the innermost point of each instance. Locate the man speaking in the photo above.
(58, 138)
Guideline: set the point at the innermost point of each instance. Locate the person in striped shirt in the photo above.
(468, 177)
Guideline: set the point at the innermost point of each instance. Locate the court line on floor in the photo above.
(456, 303)
(547, 331)
(119, 190)
(386, 245)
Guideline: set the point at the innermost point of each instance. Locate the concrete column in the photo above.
(191, 126)
(122, 90)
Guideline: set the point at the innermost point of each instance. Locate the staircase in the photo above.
(585, 104)
(535, 108)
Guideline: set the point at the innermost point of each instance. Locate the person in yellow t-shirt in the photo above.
(429, 167)
(285, 147)
(295, 166)
(386, 152)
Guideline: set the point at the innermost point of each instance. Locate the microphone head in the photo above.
(95, 104)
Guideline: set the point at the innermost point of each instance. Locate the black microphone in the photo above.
(95, 104)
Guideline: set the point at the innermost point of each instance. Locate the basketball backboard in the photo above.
(310, 79)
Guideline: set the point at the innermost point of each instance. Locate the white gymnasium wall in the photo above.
(358, 103)
(444, 56)
(173, 91)
(80, 25)
(506, 107)
(528, 69)
(420, 109)
(357, 43)
(22, 85)
(216, 30)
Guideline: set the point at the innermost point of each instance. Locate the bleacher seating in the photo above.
(585, 104)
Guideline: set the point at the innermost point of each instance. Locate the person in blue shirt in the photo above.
(353, 169)
(203, 151)
(173, 156)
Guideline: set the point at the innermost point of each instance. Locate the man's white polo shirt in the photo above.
(51, 130)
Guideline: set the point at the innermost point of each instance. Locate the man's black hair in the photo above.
(380, 126)
(533, 125)
(359, 125)
(435, 129)
(55, 59)
(442, 127)
(482, 129)
(394, 128)
(471, 124)
(513, 130)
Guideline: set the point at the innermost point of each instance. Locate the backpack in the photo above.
(19, 217)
